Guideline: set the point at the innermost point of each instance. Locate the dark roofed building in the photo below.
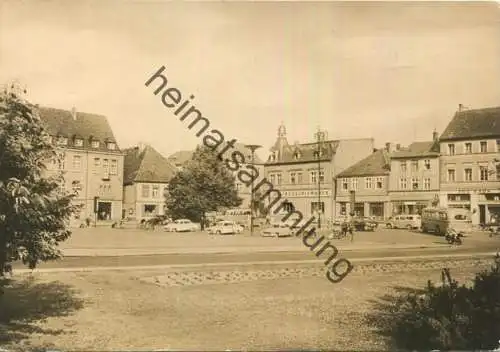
(296, 169)
(146, 177)
(80, 130)
(473, 124)
(470, 163)
(366, 181)
(91, 159)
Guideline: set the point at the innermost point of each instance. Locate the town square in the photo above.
(267, 176)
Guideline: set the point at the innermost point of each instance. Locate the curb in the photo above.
(469, 256)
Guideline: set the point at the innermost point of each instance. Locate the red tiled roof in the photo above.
(146, 165)
(418, 149)
(61, 123)
(474, 123)
(376, 164)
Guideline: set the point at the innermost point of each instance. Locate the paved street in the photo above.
(129, 248)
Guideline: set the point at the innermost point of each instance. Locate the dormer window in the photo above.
(296, 155)
(62, 140)
(78, 142)
(94, 144)
(111, 145)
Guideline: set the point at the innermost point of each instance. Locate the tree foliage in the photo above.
(33, 212)
(446, 317)
(204, 184)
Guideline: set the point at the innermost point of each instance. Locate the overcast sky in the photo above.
(391, 71)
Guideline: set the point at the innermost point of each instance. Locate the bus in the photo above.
(438, 220)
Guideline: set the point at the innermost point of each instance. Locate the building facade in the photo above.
(414, 177)
(470, 163)
(146, 177)
(365, 182)
(305, 174)
(91, 161)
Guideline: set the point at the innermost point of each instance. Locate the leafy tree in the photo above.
(446, 317)
(204, 184)
(34, 213)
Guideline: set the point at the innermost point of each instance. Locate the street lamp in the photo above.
(320, 137)
(253, 148)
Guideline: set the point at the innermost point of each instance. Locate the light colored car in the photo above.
(182, 225)
(409, 222)
(277, 230)
(225, 228)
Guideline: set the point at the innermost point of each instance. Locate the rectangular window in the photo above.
(78, 142)
(61, 160)
(368, 183)
(322, 176)
(278, 179)
(77, 162)
(468, 174)
(114, 167)
(299, 177)
(343, 208)
(293, 178)
(62, 141)
(145, 191)
(427, 183)
(427, 164)
(414, 183)
(380, 182)
(484, 147)
(354, 184)
(95, 144)
(483, 173)
(345, 184)
(451, 175)
(403, 167)
(451, 149)
(414, 165)
(105, 166)
(498, 145)
(468, 148)
(156, 191)
(111, 146)
(314, 179)
(97, 163)
(402, 183)
(271, 178)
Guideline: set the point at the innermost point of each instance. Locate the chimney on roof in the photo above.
(435, 136)
(73, 113)
(398, 146)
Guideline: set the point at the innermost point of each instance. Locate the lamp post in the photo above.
(252, 148)
(320, 137)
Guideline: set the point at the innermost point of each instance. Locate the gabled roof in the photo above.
(183, 156)
(146, 165)
(376, 164)
(63, 123)
(305, 152)
(418, 149)
(474, 123)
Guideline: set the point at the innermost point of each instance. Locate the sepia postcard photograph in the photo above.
(249, 175)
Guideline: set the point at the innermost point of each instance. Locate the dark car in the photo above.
(364, 224)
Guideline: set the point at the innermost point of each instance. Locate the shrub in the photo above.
(445, 317)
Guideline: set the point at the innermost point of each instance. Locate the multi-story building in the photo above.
(305, 173)
(470, 155)
(91, 161)
(145, 182)
(180, 158)
(367, 183)
(414, 177)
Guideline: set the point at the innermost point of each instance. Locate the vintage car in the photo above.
(182, 225)
(225, 228)
(364, 224)
(277, 230)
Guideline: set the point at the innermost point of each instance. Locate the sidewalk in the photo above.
(299, 247)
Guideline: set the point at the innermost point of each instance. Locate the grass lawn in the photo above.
(130, 310)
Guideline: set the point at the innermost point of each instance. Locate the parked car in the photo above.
(182, 225)
(278, 230)
(409, 222)
(225, 228)
(364, 224)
